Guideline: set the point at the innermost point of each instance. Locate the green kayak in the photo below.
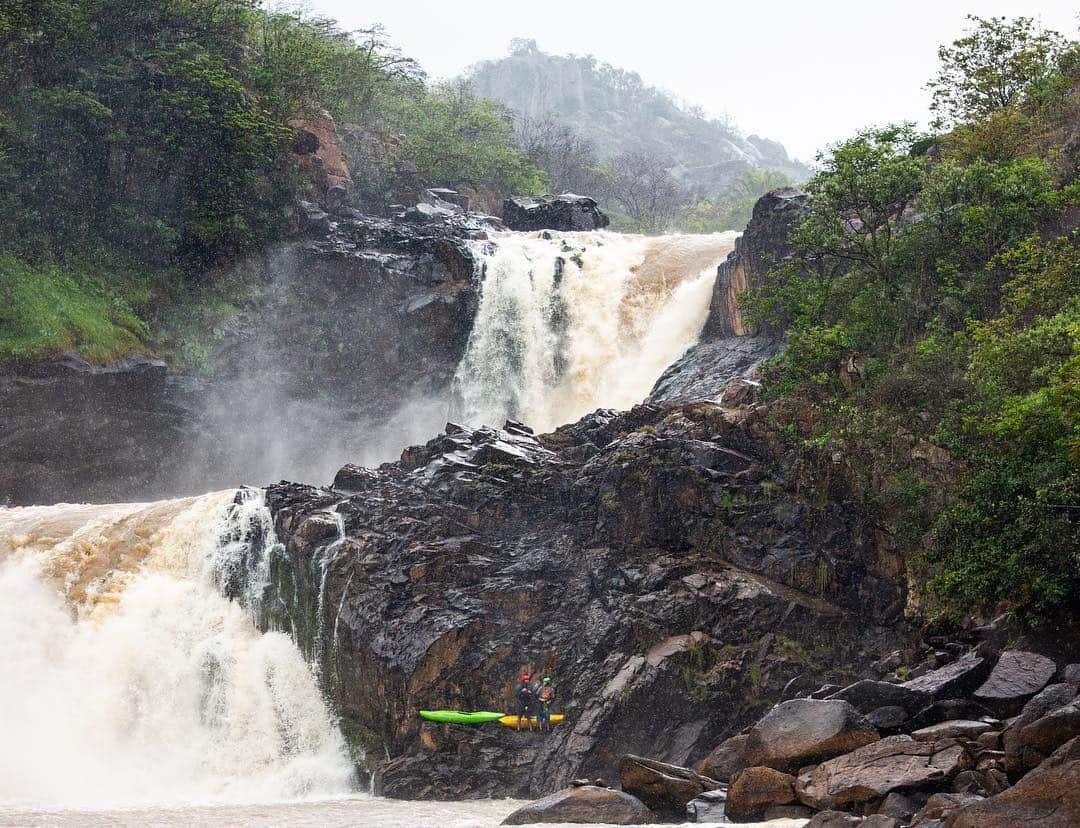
(460, 717)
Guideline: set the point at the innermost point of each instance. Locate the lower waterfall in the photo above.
(572, 322)
(131, 679)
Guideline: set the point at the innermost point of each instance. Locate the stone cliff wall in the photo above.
(661, 564)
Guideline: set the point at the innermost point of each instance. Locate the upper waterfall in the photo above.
(571, 322)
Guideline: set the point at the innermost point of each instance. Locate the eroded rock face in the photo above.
(316, 142)
(597, 554)
(874, 771)
(587, 804)
(764, 245)
(566, 212)
(800, 731)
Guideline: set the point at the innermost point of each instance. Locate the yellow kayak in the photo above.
(512, 721)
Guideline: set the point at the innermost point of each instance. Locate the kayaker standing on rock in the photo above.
(545, 697)
(526, 700)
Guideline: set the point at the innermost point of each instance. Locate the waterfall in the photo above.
(571, 322)
(131, 678)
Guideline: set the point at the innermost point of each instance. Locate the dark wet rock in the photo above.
(665, 789)
(1070, 674)
(76, 432)
(755, 789)
(601, 553)
(566, 212)
(873, 771)
(901, 806)
(947, 709)
(708, 807)
(889, 718)
(955, 679)
(712, 369)
(786, 812)
(804, 730)
(867, 695)
(954, 728)
(1047, 734)
(586, 804)
(1049, 795)
(1017, 676)
(1046, 701)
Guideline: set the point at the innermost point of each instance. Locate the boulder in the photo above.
(787, 812)
(317, 143)
(804, 730)
(755, 789)
(900, 806)
(1049, 699)
(1016, 677)
(868, 695)
(709, 807)
(1049, 795)
(874, 771)
(586, 803)
(726, 759)
(566, 212)
(955, 679)
(954, 728)
(890, 717)
(665, 789)
(1047, 734)
(946, 710)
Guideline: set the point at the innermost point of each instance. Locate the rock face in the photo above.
(800, 731)
(764, 245)
(587, 804)
(872, 772)
(77, 432)
(316, 142)
(566, 212)
(596, 553)
(1049, 795)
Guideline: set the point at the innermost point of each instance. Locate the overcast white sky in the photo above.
(804, 73)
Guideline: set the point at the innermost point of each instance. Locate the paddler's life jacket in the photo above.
(546, 694)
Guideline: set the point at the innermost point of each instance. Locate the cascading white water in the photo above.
(571, 322)
(129, 678)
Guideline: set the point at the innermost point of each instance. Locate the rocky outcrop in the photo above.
(633, 556)
(586, 804)
(318, 146)
(72, 431)
(764, 245)
(566, 212)
(1049, 795)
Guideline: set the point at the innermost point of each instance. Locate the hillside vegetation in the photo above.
(932, 313)
(144, 149)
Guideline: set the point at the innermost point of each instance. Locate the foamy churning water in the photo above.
(129, 678)
(571, 322)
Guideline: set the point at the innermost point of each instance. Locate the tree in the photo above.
(641, 185)
(991, 68)
(568, 158)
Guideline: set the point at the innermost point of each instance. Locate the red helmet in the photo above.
(524, 676)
